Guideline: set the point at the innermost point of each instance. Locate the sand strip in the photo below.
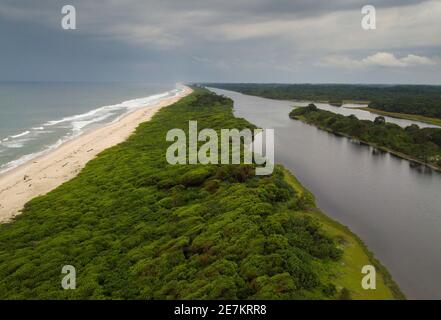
(45, 173)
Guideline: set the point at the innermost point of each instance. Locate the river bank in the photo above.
(390, 204)
(397, 115)
(368, 143)
(164, 231)
(356, 253)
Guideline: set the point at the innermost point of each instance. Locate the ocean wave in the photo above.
(75, 125)
(128, 105)
(79, 125)
(20, 135)
(19, 140)
(23, 159)
(13, 144)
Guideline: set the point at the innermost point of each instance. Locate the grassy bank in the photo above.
(356, 254)
(413, 117)
(136, 227)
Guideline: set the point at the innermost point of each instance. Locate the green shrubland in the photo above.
(136, 227)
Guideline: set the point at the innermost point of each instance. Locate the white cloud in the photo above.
(413, 60)
(379, 59)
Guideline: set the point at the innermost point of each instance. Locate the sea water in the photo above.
(36, 117)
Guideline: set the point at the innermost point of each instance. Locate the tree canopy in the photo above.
(136, 227)
(411, 99)
(421, 144)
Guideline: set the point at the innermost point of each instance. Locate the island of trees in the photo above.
(136, 227)
(422, 145)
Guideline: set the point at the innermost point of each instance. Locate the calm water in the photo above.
(36, 117)
(394, 208)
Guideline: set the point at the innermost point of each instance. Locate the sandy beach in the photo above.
(45, 173)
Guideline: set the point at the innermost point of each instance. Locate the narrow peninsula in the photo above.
(137, 227)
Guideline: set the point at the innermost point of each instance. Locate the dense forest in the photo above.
(421, 144)
(136, 227)
(410, 99)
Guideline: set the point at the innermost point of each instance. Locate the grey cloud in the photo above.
(203, 40)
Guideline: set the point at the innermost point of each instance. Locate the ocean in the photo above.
(36, 117)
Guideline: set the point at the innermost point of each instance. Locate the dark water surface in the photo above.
(394, 208)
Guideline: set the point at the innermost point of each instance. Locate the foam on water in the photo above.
(15, 163)
(72, 126)
(20, 135)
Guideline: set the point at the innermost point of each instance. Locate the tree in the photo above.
(379, 120)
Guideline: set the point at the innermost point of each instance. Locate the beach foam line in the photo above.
(14, 145)
(41, 175)
(23, 159)
(77, 123)
(129, 105)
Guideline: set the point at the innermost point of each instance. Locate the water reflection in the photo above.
(392, 204)
(349, 109)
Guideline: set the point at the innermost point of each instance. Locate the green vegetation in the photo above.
(413, 117)
(136, 227)
(422, 145)
(346, 271)
(410, 99)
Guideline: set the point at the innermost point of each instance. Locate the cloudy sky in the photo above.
(317, 41)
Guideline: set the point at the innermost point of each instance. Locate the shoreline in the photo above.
(352, 244)
(405, 116)
(384, 149)
(339, 269)
(48, 171)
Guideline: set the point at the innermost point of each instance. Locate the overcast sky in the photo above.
(299, 41)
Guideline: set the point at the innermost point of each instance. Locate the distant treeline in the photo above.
(421, 144)
(412, 99)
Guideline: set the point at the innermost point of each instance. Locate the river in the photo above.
(393, 207)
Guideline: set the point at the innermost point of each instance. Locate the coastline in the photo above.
(47, 214)
(46, 172)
